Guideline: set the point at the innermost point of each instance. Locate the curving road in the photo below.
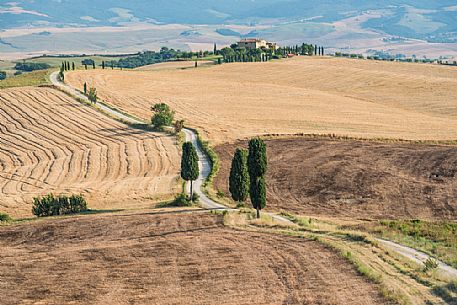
(205, 169)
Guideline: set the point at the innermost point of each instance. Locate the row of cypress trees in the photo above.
(247, 174)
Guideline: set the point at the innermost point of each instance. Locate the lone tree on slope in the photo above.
(163, 115)
(85, 88)
(257, 164)
(239, 176)
(189, 165)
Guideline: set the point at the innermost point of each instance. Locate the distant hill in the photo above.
(411, 18)
(287, 21)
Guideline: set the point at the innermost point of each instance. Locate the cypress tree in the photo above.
(85, 88)
(103, 64)
(62, 67)
(189, 165)
(215, 49)
(257, 164)
(85, 66)
(239, 176)
(315, 49)
(196, 64)
(68, 66)
(93, 64)
(323, 52)
(72, 65)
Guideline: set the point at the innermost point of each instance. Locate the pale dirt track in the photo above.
(51, 143)
(170, 259)
(311, 95)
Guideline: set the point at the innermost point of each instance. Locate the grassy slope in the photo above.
(35, 78)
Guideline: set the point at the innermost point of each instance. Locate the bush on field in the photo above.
(2, 75)
(51, 205)
(5, 217)
(182, 200)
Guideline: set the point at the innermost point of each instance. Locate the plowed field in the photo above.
(51, 143)
(184, 258)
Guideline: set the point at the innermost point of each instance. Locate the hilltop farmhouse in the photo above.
(256, 43)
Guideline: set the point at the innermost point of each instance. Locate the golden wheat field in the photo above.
(51, 143)
(311, 95)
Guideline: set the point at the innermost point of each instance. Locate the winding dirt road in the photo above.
(205, 169)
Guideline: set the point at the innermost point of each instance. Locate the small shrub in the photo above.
(220, 194)
(195, 198)
(51, 205)
(430, 264)
(5, 217)
(2, 75)
(179, 125)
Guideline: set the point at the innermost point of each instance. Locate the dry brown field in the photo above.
(51, 143)
(310, 95)
(170, 258)
(355, 179)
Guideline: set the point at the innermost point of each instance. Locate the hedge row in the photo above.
(50, 205)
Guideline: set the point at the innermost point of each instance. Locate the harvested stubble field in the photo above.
(170, 258)
(311, 95)
(357, 179)
(174, 65)
(51, 143)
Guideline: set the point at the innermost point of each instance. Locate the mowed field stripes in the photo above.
(51, 143)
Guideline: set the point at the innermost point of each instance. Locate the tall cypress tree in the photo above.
(315, 49)
(215, 49)
(93, 64)
(189, 165)
(257, 163)
(72, 65)
(85, 88)
(103, 64)
(239, 176)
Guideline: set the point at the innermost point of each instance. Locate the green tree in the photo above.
(189, 165)
(257, 164)
(215, 49)
(103, 64)
(93, 64)
(92, 95)
(163, 115)
(85, 88)
(2, 75)
(72, 65)
(239, 176)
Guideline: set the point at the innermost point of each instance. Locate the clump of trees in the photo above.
(2, 75)
(31, 66)
(247, 174)
(51, 205)
(163, 115)
(189, 165)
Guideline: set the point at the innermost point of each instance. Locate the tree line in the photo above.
(237, 54)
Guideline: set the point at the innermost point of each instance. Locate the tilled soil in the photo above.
(51, 143)
(358, 179)
(169, 258)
